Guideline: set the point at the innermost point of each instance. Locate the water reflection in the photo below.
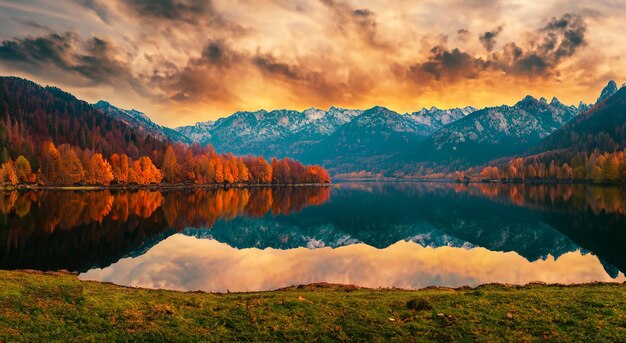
(265, 238)
(187, 263)
(51, 230)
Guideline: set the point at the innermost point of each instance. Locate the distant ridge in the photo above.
(602, 127)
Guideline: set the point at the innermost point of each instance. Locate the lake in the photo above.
(387, 234)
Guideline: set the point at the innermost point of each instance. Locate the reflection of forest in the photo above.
(81, 230)
(532, 220)
(46, 229)
(201, 207)
(598, 199)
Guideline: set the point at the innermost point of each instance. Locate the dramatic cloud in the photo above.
(359, 22)
(449, 65)
(183, 61)
(187, 10)
(94, 61)
(488, 39)
(463, 34)
(205, 78)
(540, 57)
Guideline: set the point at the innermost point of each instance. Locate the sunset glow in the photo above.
(183, 61)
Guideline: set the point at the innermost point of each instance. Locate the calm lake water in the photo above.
(408, 235)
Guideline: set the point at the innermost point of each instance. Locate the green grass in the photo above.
(59, 307)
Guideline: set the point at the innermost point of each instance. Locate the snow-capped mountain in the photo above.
(141, 122)
(435, 118)
(312, 134)
(378, 132)
(500, 131)
(246, 132)
(379, 139)
(198, 133)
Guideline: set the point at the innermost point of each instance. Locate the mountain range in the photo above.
(140, 122)
(376, 140)
(383, 141)
(499, 131)
(602, 128)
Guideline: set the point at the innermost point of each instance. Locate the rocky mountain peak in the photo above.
(529, 101)
(555, 102)
(607, 91)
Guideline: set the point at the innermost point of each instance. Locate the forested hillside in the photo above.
(602, 127)
(591, 147)
(31, 114)
(48, 137)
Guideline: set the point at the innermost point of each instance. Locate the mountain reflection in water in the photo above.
(370, 234)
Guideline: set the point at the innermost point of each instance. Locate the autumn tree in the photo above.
(169, 168)
(260, 171)
(71, 169)
(119, 175)
(144, 172)
(188, 166)
(216, 169)
(124, 168)
(99, 171)
(490, 173)
(316, 174)
(8, 175)
(50, 163)
(280, 171)
(201, 170)
(23, 170)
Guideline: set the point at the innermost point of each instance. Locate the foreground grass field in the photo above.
(46, 307)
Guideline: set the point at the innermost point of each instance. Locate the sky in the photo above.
(184, 61)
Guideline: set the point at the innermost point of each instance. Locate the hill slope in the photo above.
(140, 122)
(601, 127)
(31, 114)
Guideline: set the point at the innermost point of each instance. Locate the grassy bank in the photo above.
(44, 307)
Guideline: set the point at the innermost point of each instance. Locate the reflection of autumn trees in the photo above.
(50, 226)
(573, 196)
(54, 210)
(201, 208)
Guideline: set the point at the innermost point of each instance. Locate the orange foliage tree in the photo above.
(68, 165)
(71, 169)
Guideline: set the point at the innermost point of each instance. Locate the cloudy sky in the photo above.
(183, 61)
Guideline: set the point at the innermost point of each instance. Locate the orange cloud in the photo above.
(183, 61)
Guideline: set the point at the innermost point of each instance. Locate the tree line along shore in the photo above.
(180, 166)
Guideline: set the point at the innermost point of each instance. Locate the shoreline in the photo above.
(506, 182)
(36, 306)
(161, 187)
(333, 285)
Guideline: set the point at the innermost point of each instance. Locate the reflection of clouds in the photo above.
(186, 263)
